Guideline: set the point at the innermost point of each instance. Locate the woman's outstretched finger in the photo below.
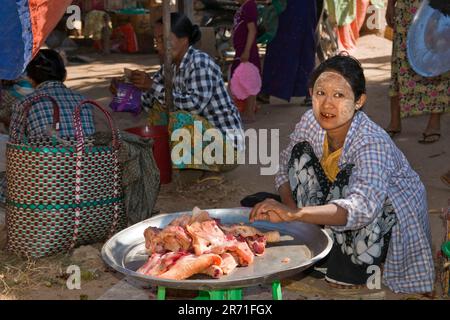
(256, 211)
(264, 217)
(259, 212)
(261, 216)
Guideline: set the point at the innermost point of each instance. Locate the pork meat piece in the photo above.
(175, 238)
(209, 238)
(199, 215)
(226, 267)
(256, 243)
(152, 241)
(205, 235)
(181, 221)
(190, 264)
(171, 238)
(158, 264)
(151, 263)
(213, 271)
(249, 231)
(228, 263)
(241, 251)
(185, 219)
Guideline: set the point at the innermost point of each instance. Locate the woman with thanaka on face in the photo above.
(343, 171)
(199, 96)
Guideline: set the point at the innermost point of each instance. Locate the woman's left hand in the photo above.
(273, 211)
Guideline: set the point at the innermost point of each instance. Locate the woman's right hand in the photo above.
(273, 211)
(141, 80)
(390, 14)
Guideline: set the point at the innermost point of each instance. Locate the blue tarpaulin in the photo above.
(25, 24)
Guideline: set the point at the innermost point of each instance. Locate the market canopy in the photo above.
(25, 26)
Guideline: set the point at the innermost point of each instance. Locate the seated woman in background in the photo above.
(342, 170)
(47, 73)
(199, 97)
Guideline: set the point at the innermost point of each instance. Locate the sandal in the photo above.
(218, 179)
(392, 133)
(428, 138)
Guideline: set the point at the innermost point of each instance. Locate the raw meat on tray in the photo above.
(198, 244)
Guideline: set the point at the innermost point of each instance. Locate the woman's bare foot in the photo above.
(395, 124)
(210, 177)
(250, 108)
(432, 132)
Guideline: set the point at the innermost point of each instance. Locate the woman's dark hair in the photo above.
(348, 67)
(182, 27)
(47, 65)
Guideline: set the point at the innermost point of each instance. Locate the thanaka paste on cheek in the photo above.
(342, 107)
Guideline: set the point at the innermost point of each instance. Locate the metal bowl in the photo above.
(125, 252)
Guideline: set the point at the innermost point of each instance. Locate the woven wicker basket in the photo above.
(61, 193)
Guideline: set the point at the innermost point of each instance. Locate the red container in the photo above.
(161, 148)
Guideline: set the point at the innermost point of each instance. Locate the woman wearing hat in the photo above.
(412, 93)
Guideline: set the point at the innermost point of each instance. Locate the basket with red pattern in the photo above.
(61, 193)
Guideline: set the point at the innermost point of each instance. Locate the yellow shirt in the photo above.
(330, 161)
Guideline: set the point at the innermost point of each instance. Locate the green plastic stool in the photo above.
(225, 294)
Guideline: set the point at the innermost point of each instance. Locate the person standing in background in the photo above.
(349, 16)
(290, 57)
(244, 42)
(412, 94)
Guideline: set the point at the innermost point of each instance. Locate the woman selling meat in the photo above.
(343, 171)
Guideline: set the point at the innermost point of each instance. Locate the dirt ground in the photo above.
(46, 279)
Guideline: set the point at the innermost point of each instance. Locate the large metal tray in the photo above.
(125, 252)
